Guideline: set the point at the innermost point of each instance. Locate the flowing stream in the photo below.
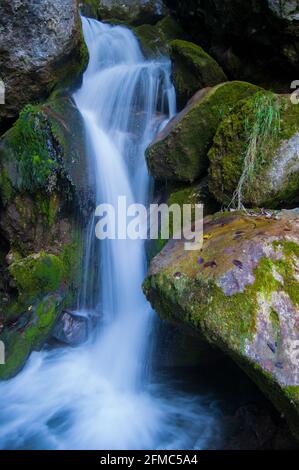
(101, 395)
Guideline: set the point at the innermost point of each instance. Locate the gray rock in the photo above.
(41, 44)
(71, 328)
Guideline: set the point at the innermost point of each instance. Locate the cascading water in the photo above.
(97, 396)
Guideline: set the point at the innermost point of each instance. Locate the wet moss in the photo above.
(227, 156)
(181, 154)
(38, 274)
(193, 69)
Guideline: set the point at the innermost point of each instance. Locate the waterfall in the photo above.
(124, 101)
(97, 396)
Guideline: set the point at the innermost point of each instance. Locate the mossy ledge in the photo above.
(43, 196)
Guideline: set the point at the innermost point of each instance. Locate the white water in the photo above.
(98, 396)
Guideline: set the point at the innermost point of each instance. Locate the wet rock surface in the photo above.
(71, 329)
(41, 45)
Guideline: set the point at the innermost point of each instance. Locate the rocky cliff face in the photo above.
(41, 45)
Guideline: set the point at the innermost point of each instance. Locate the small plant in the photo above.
(262, 130)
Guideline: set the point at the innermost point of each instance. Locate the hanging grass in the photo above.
(262, 130)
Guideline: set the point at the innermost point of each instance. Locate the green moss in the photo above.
(17, 350)
(29, 334)
(6, 189)
(36, 274)
(152, 40)
(29, 143)
(182, 154)
(246, 149)
(193, 69)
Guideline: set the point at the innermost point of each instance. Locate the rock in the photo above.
(243, 296)
(155, 39)
(254, 160)
(261, 34)
(193, 69)
(28, 332)
(71, 329)
(41, 45)
(177, 194)
(132, 12)
(46, 199)
(179, 152)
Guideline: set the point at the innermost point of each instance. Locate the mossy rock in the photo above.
(179, 153)
(155, 39)
(193, 69)
(43, 183)
(240, 292)
(197, 193)
(29, 333)
(38, 273)
(255, 154)
(45, 144)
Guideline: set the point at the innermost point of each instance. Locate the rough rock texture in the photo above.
(254, 40)
(259, 138)
(241, 294)
(193, 69)
(43, 180)
(133, 12)
(179, 152)
(41, 45)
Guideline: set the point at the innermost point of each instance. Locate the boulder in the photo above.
(193, 69)
(254, 160)
(179, 152)
(41, 45)
(240, 293)
(155, 39)
(133, 12)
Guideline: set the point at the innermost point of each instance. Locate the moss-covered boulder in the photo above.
(240, 293)
(179, 153)
(255, 154)
(155, 39)
(41, 45)
(193, 69)
(44, 200)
